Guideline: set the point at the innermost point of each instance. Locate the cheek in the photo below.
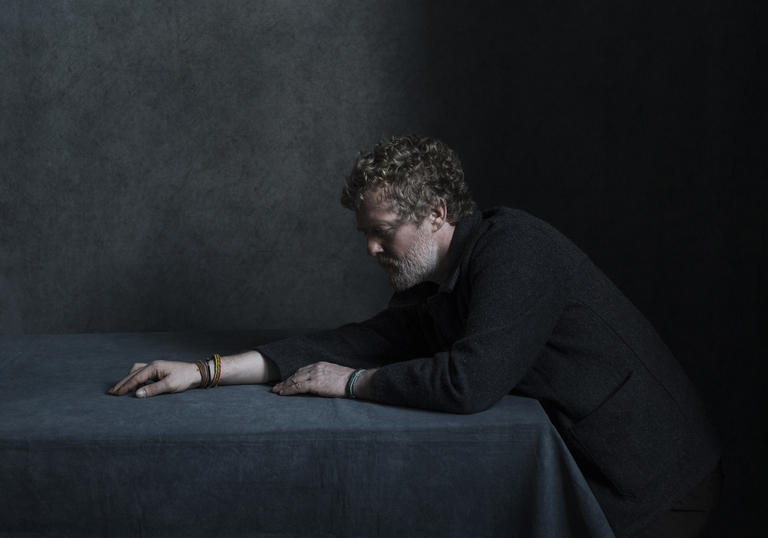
(395, 249)
(399, 245)
(406, 243)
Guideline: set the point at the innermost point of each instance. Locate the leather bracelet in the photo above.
(351, 383)
(210, 373)
(203, 373)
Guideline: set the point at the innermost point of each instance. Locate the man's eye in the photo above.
(383, 233)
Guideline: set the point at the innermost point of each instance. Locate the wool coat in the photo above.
(525, 311)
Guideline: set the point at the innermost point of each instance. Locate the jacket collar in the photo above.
(465, 231)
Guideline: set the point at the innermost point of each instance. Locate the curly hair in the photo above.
(414, 171)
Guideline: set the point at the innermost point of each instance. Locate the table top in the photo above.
(74, 456)
(77, 369)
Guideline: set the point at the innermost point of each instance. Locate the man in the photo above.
(487, 304)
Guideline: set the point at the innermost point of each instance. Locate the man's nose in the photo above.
(374, 247)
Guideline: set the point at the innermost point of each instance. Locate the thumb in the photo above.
(153, 389)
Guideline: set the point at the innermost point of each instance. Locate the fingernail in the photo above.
(141, 393)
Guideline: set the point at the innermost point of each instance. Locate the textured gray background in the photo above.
(177, 166)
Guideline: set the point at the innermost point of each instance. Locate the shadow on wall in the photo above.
(10, 316)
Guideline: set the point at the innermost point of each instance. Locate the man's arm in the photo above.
(384, 338)
(322, 363)
(172, 376)
(518, 285)
(394, 334)
(363, 384)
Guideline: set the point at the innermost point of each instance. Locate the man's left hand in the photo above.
(321, 378)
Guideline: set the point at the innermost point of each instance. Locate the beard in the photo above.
(416, 265)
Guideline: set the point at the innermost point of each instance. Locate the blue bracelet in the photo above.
(351, 383)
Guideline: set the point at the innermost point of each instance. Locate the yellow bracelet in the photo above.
(217, 375)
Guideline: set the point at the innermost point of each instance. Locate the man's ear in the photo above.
(438, 214)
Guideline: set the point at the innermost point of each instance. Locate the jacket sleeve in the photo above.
(391, 335)
(517, 286)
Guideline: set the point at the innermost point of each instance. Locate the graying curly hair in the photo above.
(415, 171)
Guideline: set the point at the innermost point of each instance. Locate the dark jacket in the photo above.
(525, 311)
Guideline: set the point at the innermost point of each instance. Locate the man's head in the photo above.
(413, 172)
(407, 194)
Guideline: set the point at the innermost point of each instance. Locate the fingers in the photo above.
(292, 386)
(299, 383)
(137, 366)
(154, 389)
(140, 373)
(320, 378)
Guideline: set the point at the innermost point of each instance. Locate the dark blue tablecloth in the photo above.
(241, 461)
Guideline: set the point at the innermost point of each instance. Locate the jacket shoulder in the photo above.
(510, 225)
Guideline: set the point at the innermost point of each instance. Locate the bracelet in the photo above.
(209, 378)
(203, 373)
(217, 374)
(351, 383)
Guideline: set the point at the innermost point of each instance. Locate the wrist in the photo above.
(363, 384)
(246, 368)
(349, 390)
(209, 371)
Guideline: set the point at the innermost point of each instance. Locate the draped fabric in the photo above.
(241, 461)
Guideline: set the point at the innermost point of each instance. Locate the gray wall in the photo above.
(176, 166)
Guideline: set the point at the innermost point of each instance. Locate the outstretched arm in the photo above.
(515, 287)
(171, 376)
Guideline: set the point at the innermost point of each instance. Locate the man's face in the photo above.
(405, 250)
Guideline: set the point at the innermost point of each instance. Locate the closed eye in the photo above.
(378, 232)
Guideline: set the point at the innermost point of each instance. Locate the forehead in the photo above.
(375, 209)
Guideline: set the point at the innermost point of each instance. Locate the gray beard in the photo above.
(417, 265)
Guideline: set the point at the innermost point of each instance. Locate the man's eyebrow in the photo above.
(376, 225)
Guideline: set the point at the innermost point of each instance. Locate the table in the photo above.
(241, 461)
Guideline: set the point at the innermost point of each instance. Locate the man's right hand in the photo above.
(168, 376)
(173, 376)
